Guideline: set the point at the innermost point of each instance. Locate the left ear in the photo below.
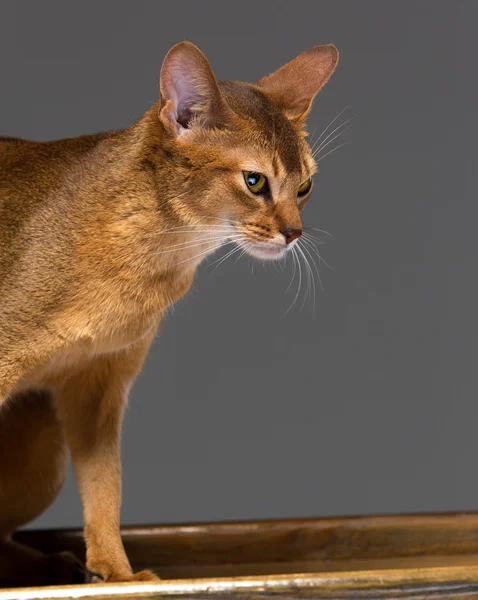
(294, 86)
(189, 91)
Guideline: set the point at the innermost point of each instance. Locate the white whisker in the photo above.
(307, 289)
(323, 144)
(316, 251)
(204, 235)
(193, 243)
(223, 258)
(328, 126)
(224, 219)
(293, 273)
(312, 136)
(319, 230)
(246, 246)
(209, 250)
(312, 238)
(183, 229)
(330, 141)
(330, 151)
(294, 253)
(309, 277)
(314, 263)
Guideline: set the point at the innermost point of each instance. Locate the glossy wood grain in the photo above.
(415, 556)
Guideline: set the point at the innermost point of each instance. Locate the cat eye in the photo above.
(305, 187)
(256, 182)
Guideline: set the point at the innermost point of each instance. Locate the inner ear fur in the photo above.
(189, 91)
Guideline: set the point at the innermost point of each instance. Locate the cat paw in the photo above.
(145, 576)
(64, 568)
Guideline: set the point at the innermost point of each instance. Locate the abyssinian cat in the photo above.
(98, 236)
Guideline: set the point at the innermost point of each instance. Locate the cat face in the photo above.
(238, 151)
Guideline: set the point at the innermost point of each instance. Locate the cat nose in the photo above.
(291, 234)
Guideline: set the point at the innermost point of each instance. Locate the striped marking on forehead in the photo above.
(267, 126)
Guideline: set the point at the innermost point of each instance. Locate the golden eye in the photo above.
(256, 182)
(305, 187)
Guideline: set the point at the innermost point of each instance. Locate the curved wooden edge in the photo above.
(453, 582)
(283, 542)
(323, 539)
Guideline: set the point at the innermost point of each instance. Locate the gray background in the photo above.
(370, 405)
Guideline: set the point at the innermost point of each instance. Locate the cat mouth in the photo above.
(269, 251)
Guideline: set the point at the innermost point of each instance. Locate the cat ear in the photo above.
(294, 86)
(190, 94)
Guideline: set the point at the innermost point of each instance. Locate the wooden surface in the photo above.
(417, 556)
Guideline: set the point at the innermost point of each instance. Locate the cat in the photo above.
(99, 235)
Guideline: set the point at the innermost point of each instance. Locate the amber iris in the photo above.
(256, 182)
(305, 187)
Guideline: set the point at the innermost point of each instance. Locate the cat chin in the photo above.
(266, 252)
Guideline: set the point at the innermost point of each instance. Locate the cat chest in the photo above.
(92, 341)
(100, 324)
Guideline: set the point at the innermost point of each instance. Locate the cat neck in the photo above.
(142, 213)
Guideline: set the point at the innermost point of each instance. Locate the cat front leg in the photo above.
(21, 353)
(91, 405)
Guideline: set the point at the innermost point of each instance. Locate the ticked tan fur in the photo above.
(99, 235)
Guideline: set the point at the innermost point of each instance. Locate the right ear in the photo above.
(190, 95)
(295, 85)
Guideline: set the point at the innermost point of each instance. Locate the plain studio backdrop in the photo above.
(368, 406)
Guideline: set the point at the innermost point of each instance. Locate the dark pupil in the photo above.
(253, 179)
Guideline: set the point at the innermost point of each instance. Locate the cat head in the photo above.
(237, 154)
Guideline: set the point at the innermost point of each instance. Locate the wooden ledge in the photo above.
(413, 556)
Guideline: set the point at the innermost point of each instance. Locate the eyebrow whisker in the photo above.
(330, 141)
(330, 151)
(323, 144)
(328, 126)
